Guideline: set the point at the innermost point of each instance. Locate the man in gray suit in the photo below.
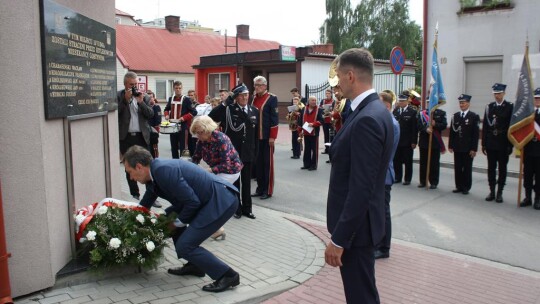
(360, 153)
(134, 111)
(199, 198)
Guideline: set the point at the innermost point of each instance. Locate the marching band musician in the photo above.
(292, 118)
(312, 116)
(463, 142)
(327, 104)
(407, 117)
(495, 143)
(267, 103)
(239, 121)
(179, 108)
(341, 111)
(531, 163)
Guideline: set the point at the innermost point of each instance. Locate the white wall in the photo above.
(314, 72)
(478, 35)
(32, 162)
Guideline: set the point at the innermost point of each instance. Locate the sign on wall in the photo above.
(142, 84)
(288, 53)
(79, 66)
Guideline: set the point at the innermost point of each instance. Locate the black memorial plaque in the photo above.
(79, 62)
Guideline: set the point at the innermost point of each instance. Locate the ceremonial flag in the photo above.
(436, 97)
(521, 129)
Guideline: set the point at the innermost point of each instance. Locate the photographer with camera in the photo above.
(134, 111)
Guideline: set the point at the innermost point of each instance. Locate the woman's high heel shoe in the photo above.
(219, 234)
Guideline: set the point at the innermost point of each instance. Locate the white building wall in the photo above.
(479, 36)
(314, 72)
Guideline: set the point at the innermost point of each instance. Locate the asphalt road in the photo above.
(460, 223)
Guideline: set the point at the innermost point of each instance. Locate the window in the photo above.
(470, 6)
(217, 82)
(161, 90)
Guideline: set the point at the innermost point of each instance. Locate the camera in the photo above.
(135, 92)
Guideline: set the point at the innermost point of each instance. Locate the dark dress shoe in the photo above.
(381, 254)
(536, 203)
(188, 269)
(490, 197)
(265, 196)
(295, 157)
(256, 194)
(465, 192)
(526, 202)
(328, 161)
(222, 284)
(237, 215)
(457, 190)
(499, 198)
(406, 183)
(312, 169)
(324, 152)
(249, 215)
(303, 168)
(157, 204)
(421, 186)
(433, 187)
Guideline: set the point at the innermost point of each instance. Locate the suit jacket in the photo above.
(464, 132)
(124, 116)
(242, 128)
(360, 153)
(267, 104)
(193, 192)
(408, 126)
(495, 126)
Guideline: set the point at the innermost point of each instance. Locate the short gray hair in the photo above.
(137, 155)
(203, 123)
(260, 79)
(130, 75)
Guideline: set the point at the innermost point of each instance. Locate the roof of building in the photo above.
(122, 13)
(158, 50)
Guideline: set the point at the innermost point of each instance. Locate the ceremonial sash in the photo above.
(436, 133)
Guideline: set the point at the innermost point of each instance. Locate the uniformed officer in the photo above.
(438, 124)
(407, 118)
(463, 142)
(495, 143)
(239, 121)
(531, 155)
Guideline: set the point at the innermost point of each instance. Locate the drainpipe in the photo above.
(5, 289)
(424, 55)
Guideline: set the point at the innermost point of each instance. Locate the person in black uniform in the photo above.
(407, 118)
(495, 143)
(531, 155)
(438, 124)
(180, 109)
(463, 142)
(239, 121)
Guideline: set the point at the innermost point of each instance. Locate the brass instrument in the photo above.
(292, 117)
(414, 99)
(333, 79)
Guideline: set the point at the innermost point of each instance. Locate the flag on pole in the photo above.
(521, 129)
(436, 97)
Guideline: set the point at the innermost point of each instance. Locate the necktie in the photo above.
(244, 109)
(462, 115)
(400, 111)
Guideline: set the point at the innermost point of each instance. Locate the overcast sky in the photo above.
(289, 22)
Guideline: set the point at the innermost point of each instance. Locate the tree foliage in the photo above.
(377, 25)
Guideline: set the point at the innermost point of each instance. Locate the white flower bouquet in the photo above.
(118, 233)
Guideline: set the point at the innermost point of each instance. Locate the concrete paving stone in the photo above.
(123, 296)
(248, 276)
(312, 269)
(148, 290)
(300, 278)
(78, 300)
(142, 298)
(122, 302)
(277, 279)
(169, 300)
(104, 292)
(128, 286)
(187, 302)
(186, 296)
(173, 285)
(83, 292)
(208, 299)
(54, 292)
(166, 293)
(101, 301)
(55, 299)
(153, 282)
(84, 286)
(259, 284)
(188, 289)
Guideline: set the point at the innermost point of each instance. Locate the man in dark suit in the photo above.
(408, 138)
(267, 103)
(239, 121)
(495, 143)
(200, 199)
(531, 163)
(463, 142)
(134, 111)
(360, 153)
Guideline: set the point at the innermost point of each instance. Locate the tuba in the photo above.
(333, 79)
(292, 117)
(414, 99)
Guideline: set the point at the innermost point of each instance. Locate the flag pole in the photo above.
(520, 175)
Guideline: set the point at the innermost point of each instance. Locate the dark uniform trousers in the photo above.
(463, 170)
(178, 143)
(403, 157)
(311, 151)
(531, 161)
(433, 166)
(295, 144)
(265, 167)
(244, 183)
(133, 139)
(326, 130)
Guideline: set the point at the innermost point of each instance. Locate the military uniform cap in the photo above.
(402, 97)
(498, 88)
(465, 97)
(239, 89)
(537, 92)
